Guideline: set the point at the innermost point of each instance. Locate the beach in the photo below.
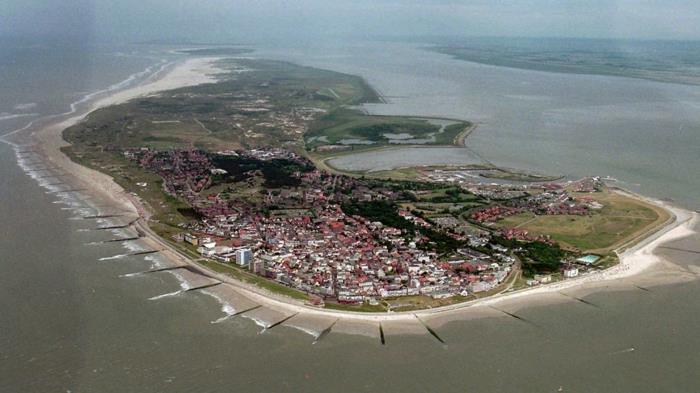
(635, 261)
(49, 138)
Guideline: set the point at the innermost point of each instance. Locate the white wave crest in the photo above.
(226, 307)
(166, 295)
(131, 274)
(264, 325)
(10, 116)
(133, 246)
(144, 76)
(24, 107)
(310, 332)
(156, 261)
(120, 256)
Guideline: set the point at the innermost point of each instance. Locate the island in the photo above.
(238, 177)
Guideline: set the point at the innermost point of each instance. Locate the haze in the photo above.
(255, 21)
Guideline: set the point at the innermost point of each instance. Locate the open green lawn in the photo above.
(355, 307)
(622, 218)
(246, 276)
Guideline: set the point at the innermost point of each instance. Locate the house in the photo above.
(543, 278)
(189, 238)
(571, 272)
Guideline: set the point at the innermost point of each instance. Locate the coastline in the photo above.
(633, 261)
(49, 138)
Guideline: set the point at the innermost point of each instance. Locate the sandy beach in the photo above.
(48, 140)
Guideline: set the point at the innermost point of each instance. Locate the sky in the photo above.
(252, 21)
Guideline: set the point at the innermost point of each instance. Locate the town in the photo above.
(352, 240)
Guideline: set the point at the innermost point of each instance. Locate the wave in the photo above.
(156, 262)
(120, 256)
(24, 107)
(10, 116)
(222, 319)
(258, 322)
(117, 86)
(166, 295)
(226, 307)
(310, 332)
(16, 146)
(131, 274)
(103, 222)
(628, 350)
(73, 106)
(80, 213)
(34, 166)
(133, 246)
(184, 286)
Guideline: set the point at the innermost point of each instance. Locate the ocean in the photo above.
(76, 315)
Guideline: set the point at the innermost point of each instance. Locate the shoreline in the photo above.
(633, 261)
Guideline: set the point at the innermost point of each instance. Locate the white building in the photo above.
(244, 257)
(571, 272)
(543, 278)
(207, 248)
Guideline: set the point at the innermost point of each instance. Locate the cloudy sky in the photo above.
(259, 20)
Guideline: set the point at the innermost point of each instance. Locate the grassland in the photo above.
(245, 276)
(622, 218)
(352, 127)
(269, 104)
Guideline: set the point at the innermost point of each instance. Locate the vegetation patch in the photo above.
(277, 173)
(352, 127)
(620, 219)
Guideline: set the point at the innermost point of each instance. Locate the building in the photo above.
(191, 239)
(543, 278)
(588, 259)
(244, 256)
(207, 248)
(571, 272)
(258, 267)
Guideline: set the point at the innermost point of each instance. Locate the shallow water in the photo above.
(406, 157)
(647, 134)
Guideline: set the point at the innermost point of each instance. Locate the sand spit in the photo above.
(277, 309)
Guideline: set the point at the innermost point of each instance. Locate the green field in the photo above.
(270, 105)
(356, 128)
(240, 274)
(621, 219)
